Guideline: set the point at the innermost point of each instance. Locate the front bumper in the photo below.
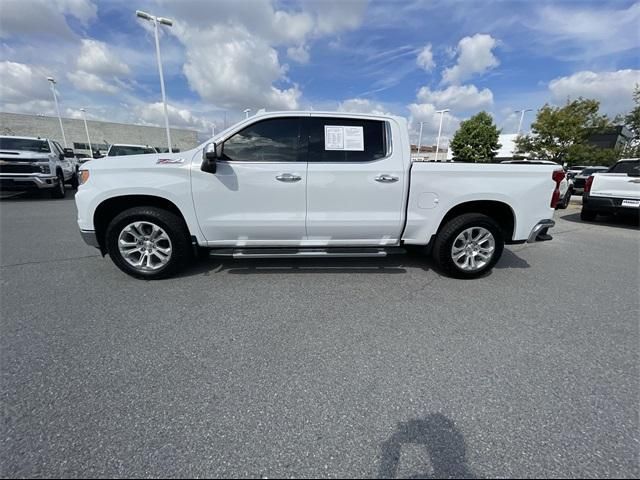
(90, 238)
(540, 229)
(19, 182)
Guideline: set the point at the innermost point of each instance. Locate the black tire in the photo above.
(565, 201)
(75, 181)
(587, 215)
(447, 235)
(59, 190)
(171, 223)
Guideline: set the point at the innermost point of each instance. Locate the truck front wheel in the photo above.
(148, 242)
(469, 245)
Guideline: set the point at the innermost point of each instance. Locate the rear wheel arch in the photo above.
(111, 207)
(498, 211)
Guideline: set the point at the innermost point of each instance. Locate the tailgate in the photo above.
(615, 185)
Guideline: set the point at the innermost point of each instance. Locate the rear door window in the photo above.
(374, 135)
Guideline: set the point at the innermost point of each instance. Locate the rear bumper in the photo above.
(89, 237)
(19, 183)
(607, 205)
(541, 228)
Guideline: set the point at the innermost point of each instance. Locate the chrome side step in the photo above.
(304, 252)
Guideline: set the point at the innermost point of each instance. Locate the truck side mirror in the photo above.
(210, 155)
(68, 153)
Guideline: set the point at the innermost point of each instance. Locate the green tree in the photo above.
(632, 122)
(561, 134)
(476, 140)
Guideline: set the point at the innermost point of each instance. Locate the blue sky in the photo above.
(404, 57)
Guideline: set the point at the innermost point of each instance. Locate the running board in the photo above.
(304, 252)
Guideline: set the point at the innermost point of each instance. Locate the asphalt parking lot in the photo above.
(349, 368)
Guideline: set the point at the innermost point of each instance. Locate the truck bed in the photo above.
(435, 188)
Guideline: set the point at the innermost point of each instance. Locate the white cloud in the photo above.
(230, 67)
(362, 105)
(425, 58)
(614, 90)
(426, 113)
(153, 114)
(96, 58)
(231, 47)
(299, 54)
(457, 97)
(23, 83)
(43, 18)
(583, 33)
(336, 15)
(89, 82)
(475, 56)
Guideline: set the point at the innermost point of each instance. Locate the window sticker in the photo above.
(344, 138)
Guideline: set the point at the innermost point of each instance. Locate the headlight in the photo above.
(44, 168)
(84, 176)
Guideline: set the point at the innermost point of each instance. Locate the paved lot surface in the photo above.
(318, 368)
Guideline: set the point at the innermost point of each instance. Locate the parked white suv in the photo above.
(310, 184)
(32, 163)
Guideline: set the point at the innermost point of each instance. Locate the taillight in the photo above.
(557, 176)
(587, 184)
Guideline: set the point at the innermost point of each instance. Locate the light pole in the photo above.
(522, 112)
(246, 113)
(52, 81)
(168, 22)
(420, 138)
(86, 129)
(441, 112)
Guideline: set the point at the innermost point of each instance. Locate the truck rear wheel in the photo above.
(148, 242)
(468, 246)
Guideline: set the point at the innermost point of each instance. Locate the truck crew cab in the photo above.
(284, 184)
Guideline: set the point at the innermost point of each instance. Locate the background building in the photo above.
(102, 133)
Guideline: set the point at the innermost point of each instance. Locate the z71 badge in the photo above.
(166, 161)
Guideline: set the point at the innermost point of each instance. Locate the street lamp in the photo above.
(420, 138)
(52, 81)
(246, 112)
(521, 112)
(86, 129)
(441, 112)
(168, 22)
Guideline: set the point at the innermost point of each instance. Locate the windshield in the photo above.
(119, 150)
(630, 168)
(24, 144)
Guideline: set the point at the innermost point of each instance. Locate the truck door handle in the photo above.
(386, 178)
(288, 177)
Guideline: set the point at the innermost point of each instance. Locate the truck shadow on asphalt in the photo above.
(442, 441)
(629, 222)
(392, 265)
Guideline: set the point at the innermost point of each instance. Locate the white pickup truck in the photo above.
(615, 192)
(310, 184)
(34, 163)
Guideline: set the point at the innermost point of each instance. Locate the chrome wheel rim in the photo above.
(145, 246)
(473, 249)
